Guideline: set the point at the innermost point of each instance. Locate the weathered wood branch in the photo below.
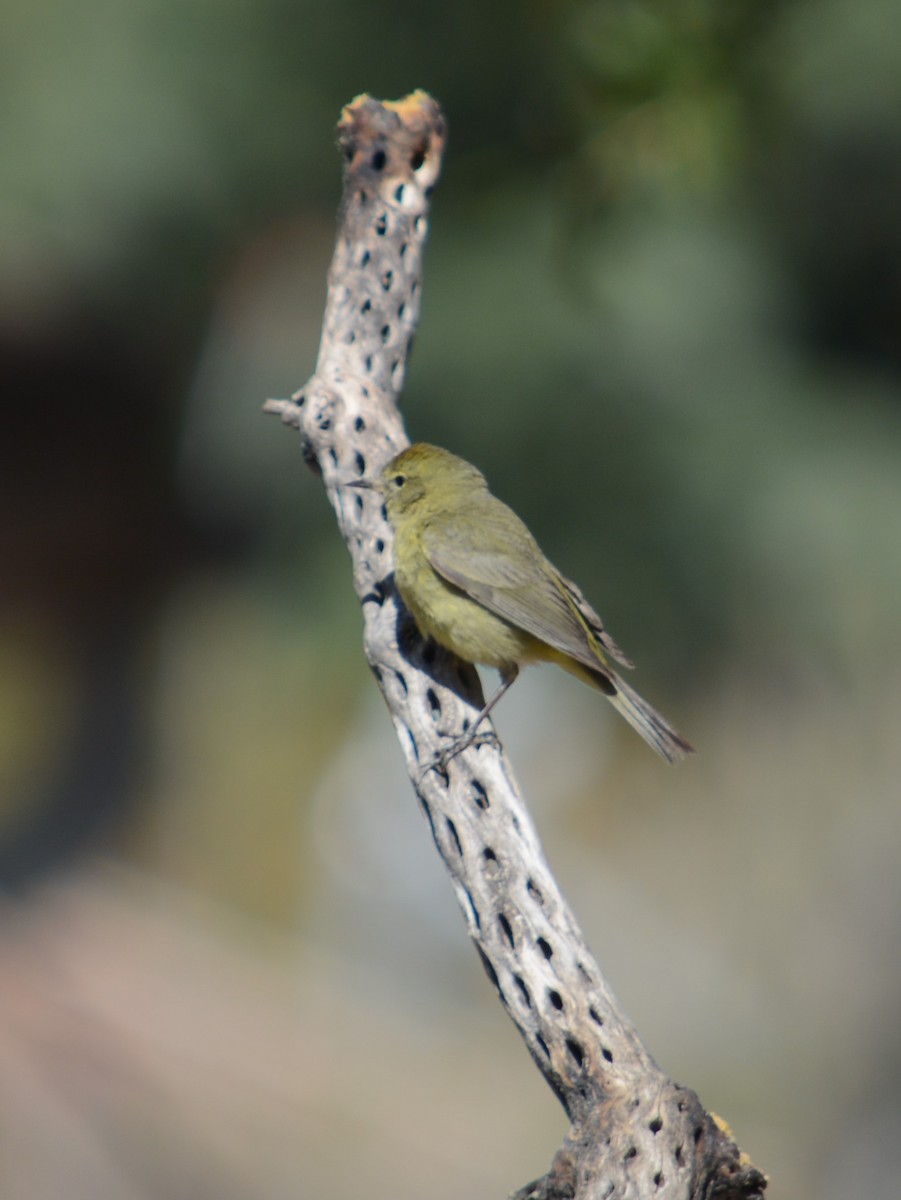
(634, 1132)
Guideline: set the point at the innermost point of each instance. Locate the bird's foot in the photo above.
(472, 737)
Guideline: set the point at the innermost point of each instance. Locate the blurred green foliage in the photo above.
(662, 304)
(662, 298)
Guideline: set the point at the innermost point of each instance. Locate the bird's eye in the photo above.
(399, 480)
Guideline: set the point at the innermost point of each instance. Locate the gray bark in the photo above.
(634, 1132)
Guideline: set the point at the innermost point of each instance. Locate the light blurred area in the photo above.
(662, 310)
(149, 1047)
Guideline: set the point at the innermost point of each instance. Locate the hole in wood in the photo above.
(535, 892)
(359, 424)
(476, 915)
(523, 990)
(414, 748)
(381, 225)
(556, 999)
(545, 947)
(656, 1125)
(489, 969)
(576, 1053)
(608, 1054)
(434, 703)
(454, 836)
(365, 260)
(376, 597)
(378, 160)
(595, 1016)
(506, 929)
(480, 795)
(399, 193)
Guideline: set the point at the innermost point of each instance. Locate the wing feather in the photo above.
(494, 559)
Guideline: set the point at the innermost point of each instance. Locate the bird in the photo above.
(475, 580)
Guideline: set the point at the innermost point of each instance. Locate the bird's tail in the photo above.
(646, 720)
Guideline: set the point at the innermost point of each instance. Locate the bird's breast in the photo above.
(456, 621)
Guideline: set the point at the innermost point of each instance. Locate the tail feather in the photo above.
(648, 722)
(644, 719)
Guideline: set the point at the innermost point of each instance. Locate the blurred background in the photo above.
(662, 311)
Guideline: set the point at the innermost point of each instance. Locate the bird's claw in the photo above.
(472, 737)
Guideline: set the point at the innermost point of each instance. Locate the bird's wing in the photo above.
(497, 562)
(594, 622)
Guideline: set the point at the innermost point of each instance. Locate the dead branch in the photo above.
(634, 1132)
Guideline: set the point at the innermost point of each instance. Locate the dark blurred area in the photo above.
(662, 311)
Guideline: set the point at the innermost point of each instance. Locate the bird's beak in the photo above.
(368, 484)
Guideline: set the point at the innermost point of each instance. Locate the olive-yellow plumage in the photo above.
(475, 580)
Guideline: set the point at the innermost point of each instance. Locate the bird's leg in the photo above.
(507, 677)
(465, 740)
